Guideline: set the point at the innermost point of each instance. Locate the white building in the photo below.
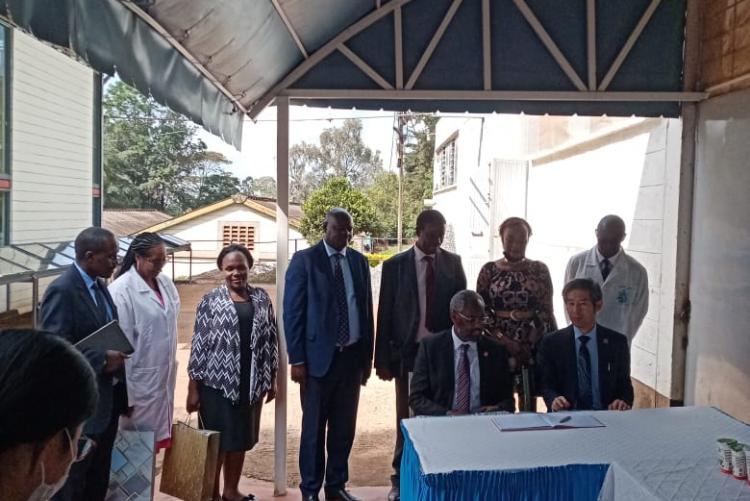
(50, 152)
(248, 221)
(563, 174)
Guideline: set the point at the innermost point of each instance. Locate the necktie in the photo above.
(463, 381)
(101, 300)
(585, 396)
(342, 326)
(429, 288)
(606, 267)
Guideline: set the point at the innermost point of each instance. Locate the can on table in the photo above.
(725, 453)
(739, 461)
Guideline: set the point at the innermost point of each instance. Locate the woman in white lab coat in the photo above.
(147, 306)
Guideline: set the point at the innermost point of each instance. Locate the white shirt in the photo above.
(421, 264)
(625, 291)
(473, 354)
(351, 298)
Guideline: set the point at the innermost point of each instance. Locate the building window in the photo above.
(238, 233)
(446, 160)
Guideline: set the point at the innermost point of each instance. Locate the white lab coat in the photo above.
(625, 291)
(152, 369)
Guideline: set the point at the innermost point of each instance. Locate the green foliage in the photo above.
(419, 151)
(384, 197)
(376, 259)
(154, 159)
(337, 192)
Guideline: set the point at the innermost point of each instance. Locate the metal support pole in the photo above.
(35, 302)
(400, 210)
(190, 265)
(685, 208)
(282, 259)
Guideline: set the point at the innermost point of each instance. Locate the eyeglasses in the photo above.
(85, 446)
(481, 318)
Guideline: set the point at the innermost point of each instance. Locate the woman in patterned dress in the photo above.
(233, 364)
(518, 295)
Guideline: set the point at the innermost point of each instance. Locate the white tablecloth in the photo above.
(654, 453)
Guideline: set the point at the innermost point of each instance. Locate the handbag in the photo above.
(131, 474)
(189, 469)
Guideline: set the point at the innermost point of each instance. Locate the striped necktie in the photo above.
(463, 381)
(342, 325)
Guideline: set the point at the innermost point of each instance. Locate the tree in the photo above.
(384, 197)
(419, 152)
(154, 159)
(337, 192)
(342, 153)
(303, 158)
(264, 187)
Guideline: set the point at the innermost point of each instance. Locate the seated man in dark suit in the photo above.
(459, 371)
(585, 366)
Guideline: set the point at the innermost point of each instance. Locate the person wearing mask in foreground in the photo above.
(47, 391)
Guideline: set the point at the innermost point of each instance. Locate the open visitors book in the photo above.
(531, 421)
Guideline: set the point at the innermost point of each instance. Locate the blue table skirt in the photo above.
(576, 482)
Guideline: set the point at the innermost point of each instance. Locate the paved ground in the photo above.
(373, 446)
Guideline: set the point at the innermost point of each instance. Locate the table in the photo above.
(649, 454)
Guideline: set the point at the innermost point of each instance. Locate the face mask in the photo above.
(45, 491)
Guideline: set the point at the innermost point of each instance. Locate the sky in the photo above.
(258, 155)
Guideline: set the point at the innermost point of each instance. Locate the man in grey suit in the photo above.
(415, 293)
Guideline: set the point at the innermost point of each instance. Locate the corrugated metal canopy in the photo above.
(205, 59)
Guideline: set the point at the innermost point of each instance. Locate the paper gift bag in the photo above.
(189, 469)
(131, 475)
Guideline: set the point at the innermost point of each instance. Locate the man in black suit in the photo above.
(459, 371)
(329, 333)
(76, 304)
(585, 366)
(415, 291)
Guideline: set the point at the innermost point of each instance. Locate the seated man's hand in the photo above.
(618, 405)
(560, 404)
(384, 373)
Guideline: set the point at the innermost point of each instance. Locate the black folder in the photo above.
(109, 337)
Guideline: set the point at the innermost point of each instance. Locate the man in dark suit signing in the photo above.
(459, 371)
(328, 326)
(415, 291)
(585, 366)
(76, 304)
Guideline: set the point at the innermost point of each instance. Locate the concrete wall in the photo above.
(632, 172)
(718, 363)
(466, 206)
(204, 233)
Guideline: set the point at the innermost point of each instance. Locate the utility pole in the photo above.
(400, 152)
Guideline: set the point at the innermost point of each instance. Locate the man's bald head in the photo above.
(338, 228)
(610, 233)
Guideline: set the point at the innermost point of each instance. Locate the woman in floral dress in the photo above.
(518, 295)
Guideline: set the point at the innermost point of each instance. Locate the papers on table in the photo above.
(531, 421)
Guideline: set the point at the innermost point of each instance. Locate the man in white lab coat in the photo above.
(623, 280)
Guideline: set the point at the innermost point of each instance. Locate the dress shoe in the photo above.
(310, 497)
(339, 495)
(394, 494)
